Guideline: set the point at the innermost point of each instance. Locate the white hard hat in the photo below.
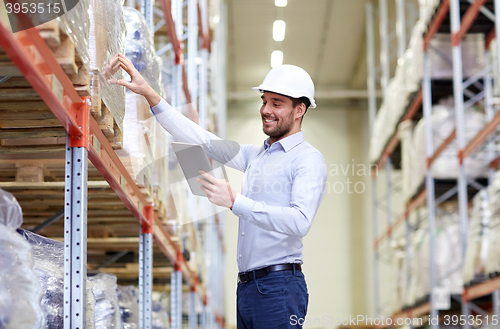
(289, 80)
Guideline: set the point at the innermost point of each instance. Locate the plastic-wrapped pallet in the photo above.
(106, 310)
(427, 8)
(139, 141)
(48, 256)
(477, 244)
(448, 257)
(76, 24)
(493, 260)
(398, 275)
(446, 165)
(20, 290)
(494, 59)
(128, 300)
(413, 59)
(106, 39)
(159, 317)
(405, 133)
(139, 49)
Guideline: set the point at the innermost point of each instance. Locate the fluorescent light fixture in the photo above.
(279, 30)
(276, 58)
(280, 3)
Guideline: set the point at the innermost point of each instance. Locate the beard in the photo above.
(282, 127)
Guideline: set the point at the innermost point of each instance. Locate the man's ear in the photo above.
(301, 110)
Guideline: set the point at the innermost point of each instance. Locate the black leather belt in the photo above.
(245, 277)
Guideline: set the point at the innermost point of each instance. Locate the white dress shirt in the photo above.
(283, 186)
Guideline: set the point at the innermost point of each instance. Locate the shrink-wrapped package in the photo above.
(106, 39)
(76, 25)
(128, 300)
(493, 258)
(427, 8)
(20, 290)
(139, 140)
(477, 244)
(448, 257)
(11, 214)
(48, 257)
(159, 317)
(446, 165)
(405, 133)
(139, 48)
(106, 309)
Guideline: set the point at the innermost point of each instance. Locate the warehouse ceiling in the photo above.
(325, 37)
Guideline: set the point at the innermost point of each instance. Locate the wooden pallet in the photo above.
(21, 106)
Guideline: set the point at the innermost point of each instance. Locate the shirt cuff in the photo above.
(161, 107)
(242, 206)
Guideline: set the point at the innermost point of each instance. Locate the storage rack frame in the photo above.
(85, 141)
(459, 27)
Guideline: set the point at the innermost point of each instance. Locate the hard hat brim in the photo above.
(261, 90)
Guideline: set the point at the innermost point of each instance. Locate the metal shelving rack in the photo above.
(423, 99)
(85, 141)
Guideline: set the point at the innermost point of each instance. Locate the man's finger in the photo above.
(205, 183)
(208, 177)
(124, 83)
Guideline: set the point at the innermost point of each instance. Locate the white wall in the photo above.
(335, 248)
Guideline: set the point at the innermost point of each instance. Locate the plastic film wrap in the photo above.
(20, 290)
(159, 317)
(477, 244)
(446, 165)
(106, 39)
(128, 300)
(139, 48)
(106, 309)
(76, 23)
(139, 142)
(48, 257)
(11, 214)
(493, 259)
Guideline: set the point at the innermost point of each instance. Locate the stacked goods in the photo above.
(409, 74)
(398, 282)
(448, 257)
(477, 244)
(20, 291)
(106, 39)
(493, 259)
(446, 165)
(159, 316)
(405, 133)
(128, 300)
(427, 8)
(142, 155)
(106, 309)
(48, 256)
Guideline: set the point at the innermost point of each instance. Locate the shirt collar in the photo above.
(288, 142)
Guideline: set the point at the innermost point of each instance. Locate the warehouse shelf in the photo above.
(36, 62)
(477, 17)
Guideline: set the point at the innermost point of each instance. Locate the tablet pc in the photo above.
(192, 159)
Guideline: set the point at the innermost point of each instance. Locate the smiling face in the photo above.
(279, 118)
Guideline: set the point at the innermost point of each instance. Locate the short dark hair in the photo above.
(297, 101)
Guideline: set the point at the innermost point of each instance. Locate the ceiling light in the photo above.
(276, 58)
(280, 3)
(279, 30)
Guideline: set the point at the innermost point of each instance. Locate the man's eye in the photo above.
(276, 105)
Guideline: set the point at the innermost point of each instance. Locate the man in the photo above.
(283, 186)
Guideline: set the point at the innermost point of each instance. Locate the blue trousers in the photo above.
(277, 300)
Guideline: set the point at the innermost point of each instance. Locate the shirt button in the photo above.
(240, 256)
(242, 233)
